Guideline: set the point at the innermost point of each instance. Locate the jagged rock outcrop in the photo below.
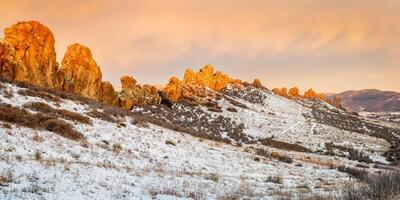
(173, 90)
(137, 95)
(257, 83)
(79, 73)
(294, 92)
(206, 77)
(311, 94)
(197, 85)
(280, 91)
(34, 51)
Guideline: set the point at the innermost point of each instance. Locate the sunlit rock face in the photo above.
(311, 94)
(257, 83)
(108, 94)
(294, 92)
(79, 73)
(34, 50)
(280, 91)
(137, 95)
(197, 85)
(173, 90)
(8, 63)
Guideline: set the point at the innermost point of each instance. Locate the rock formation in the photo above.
(195, 84)
(79, 72)
(257, 83)
(206, 77)
(108, 94)
(311, 94)
(137, 95)
(8, 63)
(34, 50)
(294, 92)
(173, 90)
(281, 92)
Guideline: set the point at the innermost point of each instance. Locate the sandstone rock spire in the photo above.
(33, 43)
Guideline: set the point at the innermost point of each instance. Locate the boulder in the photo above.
(79, 73)
(34, 50)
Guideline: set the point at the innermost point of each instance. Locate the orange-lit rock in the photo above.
(311, 94)
(137, 95)
(281, 92)
(257, 83)
(79, 73)
(108, 94)
(221, 81)
(173, 90)
(294, 92)
(8, 64)
(207, 78)
(127, 83)
(34, 49)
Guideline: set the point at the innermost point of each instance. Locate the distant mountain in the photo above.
(370, 100)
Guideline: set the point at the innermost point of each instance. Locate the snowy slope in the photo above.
(150, 159)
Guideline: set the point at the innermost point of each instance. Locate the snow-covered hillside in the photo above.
(246, 144)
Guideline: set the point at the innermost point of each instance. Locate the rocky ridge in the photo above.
(27, 54)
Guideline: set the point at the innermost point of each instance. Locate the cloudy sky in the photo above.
(327, 45)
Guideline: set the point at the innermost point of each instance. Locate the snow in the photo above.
(193, 168)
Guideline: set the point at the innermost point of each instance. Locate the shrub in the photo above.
(66, 114)
(40, 94)
(354, 172)
(213, 177)
(24, 118)
(117, 148)
(275, 155)
(62, 128)
(384, 186)
(275, 179)
(102, 115)
(6, 177)
(286, 159)
(170, 143)
(263, 153)
(38, 155)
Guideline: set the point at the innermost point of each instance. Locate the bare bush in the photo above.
(285, 158)
(354, 172)
(62, 128)
(24, 118)
(381, 187)
(102, 115)
(6, 178)
(66, 114)
(40, 94)
(275, 179)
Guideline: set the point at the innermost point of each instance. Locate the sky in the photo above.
(331, 46)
